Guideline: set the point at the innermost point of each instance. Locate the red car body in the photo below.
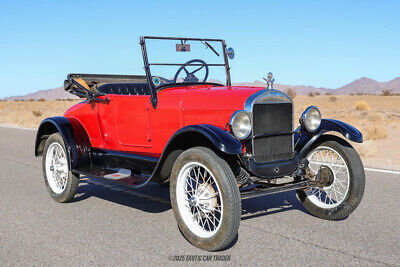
(129, 123)
(215, 144)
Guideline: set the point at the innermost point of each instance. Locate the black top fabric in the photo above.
(124, 88)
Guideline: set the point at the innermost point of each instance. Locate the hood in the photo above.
(207, 97)
(202, 104)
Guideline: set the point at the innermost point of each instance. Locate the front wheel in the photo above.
(344, 173)
(205, 199)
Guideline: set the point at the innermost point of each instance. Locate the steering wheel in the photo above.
(190, 77)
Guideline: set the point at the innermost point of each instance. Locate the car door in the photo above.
(132, 120)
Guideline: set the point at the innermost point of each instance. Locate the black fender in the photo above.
(304, 140)
(194, 135)
(220, 138)
(75, 138)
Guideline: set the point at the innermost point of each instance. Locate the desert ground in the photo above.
(377, 117)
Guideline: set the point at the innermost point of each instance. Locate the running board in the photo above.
(119, 176)
(273, 189)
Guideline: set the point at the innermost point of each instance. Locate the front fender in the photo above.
(75, 139)
(220, 138)
(304, 140)
(194, 135)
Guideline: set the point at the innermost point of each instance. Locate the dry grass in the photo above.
(386, 92)
(310, 94)
(372, 123)
(30, 113)
(383, 110)
(383, 114)
(375, 127)
(290, 92)
(37, 113)
(361, 105)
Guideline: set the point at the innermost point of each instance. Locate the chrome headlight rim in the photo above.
(232, 121)
(303, 118)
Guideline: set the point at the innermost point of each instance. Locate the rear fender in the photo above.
(304, 140)
(74, 135)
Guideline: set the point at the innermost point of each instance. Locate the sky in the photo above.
(318, 43)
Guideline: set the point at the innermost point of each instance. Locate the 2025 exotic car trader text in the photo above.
(213, 143)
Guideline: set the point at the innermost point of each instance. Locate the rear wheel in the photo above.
(60, 182)
(205, 199)
(345, 178)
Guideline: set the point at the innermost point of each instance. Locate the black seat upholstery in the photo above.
(124, 88)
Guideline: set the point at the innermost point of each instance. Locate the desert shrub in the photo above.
(37, 113)
(41, 100)
(333, 99)
(361, 105)
(386, 92)
(359, 93)
(328, 93)
(310, 94)
(317, 93)
(290, 92)
(377, 118)
(374, 131)
(351, 93)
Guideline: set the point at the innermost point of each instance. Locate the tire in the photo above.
(63, 187)
(348, 192)
(223, 203)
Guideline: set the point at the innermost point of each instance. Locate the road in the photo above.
(107, 225)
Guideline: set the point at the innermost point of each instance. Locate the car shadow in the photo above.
(154, 198)
(151, 198)
(271, 204)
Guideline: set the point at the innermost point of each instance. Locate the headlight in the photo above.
(240, 124)
(311, 119)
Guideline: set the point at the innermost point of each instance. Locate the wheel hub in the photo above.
(206, 199)
(325, 176)
(193, 201)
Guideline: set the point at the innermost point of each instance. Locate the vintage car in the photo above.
(212, 143)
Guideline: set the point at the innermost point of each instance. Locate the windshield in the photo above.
(189, 61)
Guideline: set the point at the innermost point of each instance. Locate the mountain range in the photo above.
(363, 85)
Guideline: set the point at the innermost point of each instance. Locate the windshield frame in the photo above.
(147, 65)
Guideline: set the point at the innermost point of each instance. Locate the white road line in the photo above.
(367, 169)
(382, 170)
(16, 127)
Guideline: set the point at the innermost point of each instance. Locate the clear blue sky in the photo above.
(318, 43)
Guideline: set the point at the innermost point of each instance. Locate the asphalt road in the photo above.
(107, 225)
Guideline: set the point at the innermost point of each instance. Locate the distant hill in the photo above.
(49, 94)
(362, 85)
(369, 86)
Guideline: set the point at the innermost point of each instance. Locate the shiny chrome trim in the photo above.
(261, 97)
(303, 117)
(257, 96)
(231, 121)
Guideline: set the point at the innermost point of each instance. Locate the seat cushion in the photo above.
(124, 88)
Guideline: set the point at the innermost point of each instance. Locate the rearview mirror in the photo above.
(182, 47)
(230, 52)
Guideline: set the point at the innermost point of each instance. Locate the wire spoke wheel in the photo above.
(205, 199)
(199, 200)
(56, 168)
(335, 193)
